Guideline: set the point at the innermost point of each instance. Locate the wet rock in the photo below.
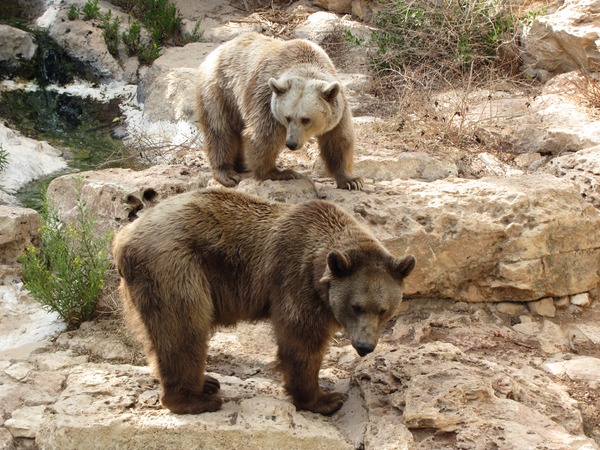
(16, 46)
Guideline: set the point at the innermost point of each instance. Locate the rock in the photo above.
(552, 339)
(19, 227)
(28, 160)
(565, 40)
(583, 167)
(336, 6)
(486, 165)
(531, 236)
(24, 325)
(526, 160)
(544, 307)
(19, 371)
(580, 299)
(408, 165)
(171, 80)
(437, 389)
(25, 422)
(84, 42)
(511, 308)
(16, 46)
(562, 302)
(6, 439)
(119, 195)
(592, 332)
(527, 327)
(580, 368)
(100, 407)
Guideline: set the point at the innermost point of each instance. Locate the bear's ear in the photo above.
(279, 87)
(339, 263)
(331, 91)
(400, 268)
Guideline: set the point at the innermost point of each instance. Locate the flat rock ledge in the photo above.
(487, 240)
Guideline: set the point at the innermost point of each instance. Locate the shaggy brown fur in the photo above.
(209, 258)
(256, 94)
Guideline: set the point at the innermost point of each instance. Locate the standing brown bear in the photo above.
(256, 94)
(211, 258)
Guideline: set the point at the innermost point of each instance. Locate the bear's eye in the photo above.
(288, 119)
(358, 309)
(305, 121)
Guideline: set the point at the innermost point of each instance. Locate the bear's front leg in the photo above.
(337, 151)
(301, 373)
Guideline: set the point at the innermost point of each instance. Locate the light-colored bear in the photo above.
(256, 94)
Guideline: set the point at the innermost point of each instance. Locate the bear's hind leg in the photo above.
(186, 389)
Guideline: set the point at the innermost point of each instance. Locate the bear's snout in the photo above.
(363, 349)
(292, 145)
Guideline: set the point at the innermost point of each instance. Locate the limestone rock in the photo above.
(19, 227)
(439, 388)
(530, 237)
(565, 40)
(580, 299)
(25, 422)
(583, 167)
(119, 195)
(171, 80)
(16, 46)
(28, 160)
(100, 408)
(544, 307)
(407, 165)
(514, 309)
(582, 368)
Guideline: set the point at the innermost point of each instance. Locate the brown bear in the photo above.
(212, 258)
(256, 94)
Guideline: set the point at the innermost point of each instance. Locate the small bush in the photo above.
(3, 158)
(67, 272)
(444, 39)
(74, 12)
(161, 18)
(91, 10)
(195, 35)
(132, 37)
(110, 31)
(148, 53)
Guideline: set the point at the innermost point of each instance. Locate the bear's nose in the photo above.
(363, 348)
(291, 145)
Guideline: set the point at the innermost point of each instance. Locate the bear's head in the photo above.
(365, 290)
(305, 107)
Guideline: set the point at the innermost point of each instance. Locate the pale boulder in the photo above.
(19, 227)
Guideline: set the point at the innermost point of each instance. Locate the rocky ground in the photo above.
(497, 344)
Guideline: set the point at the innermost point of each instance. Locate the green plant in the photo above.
(74, 12)
(110, 31)
(3, 158)
(442, 38)
(132, 37)
(91, 10)
(66, 273)
(148, 53)
(195, 35)
(161, 18)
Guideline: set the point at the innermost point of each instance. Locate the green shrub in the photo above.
(442, 39)
(3, 158)
(91, 10)
(148, 53)
(74, 12)
(67, 272)
(161, 18)
(195, 35)
(110, 31)
(132, 37)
